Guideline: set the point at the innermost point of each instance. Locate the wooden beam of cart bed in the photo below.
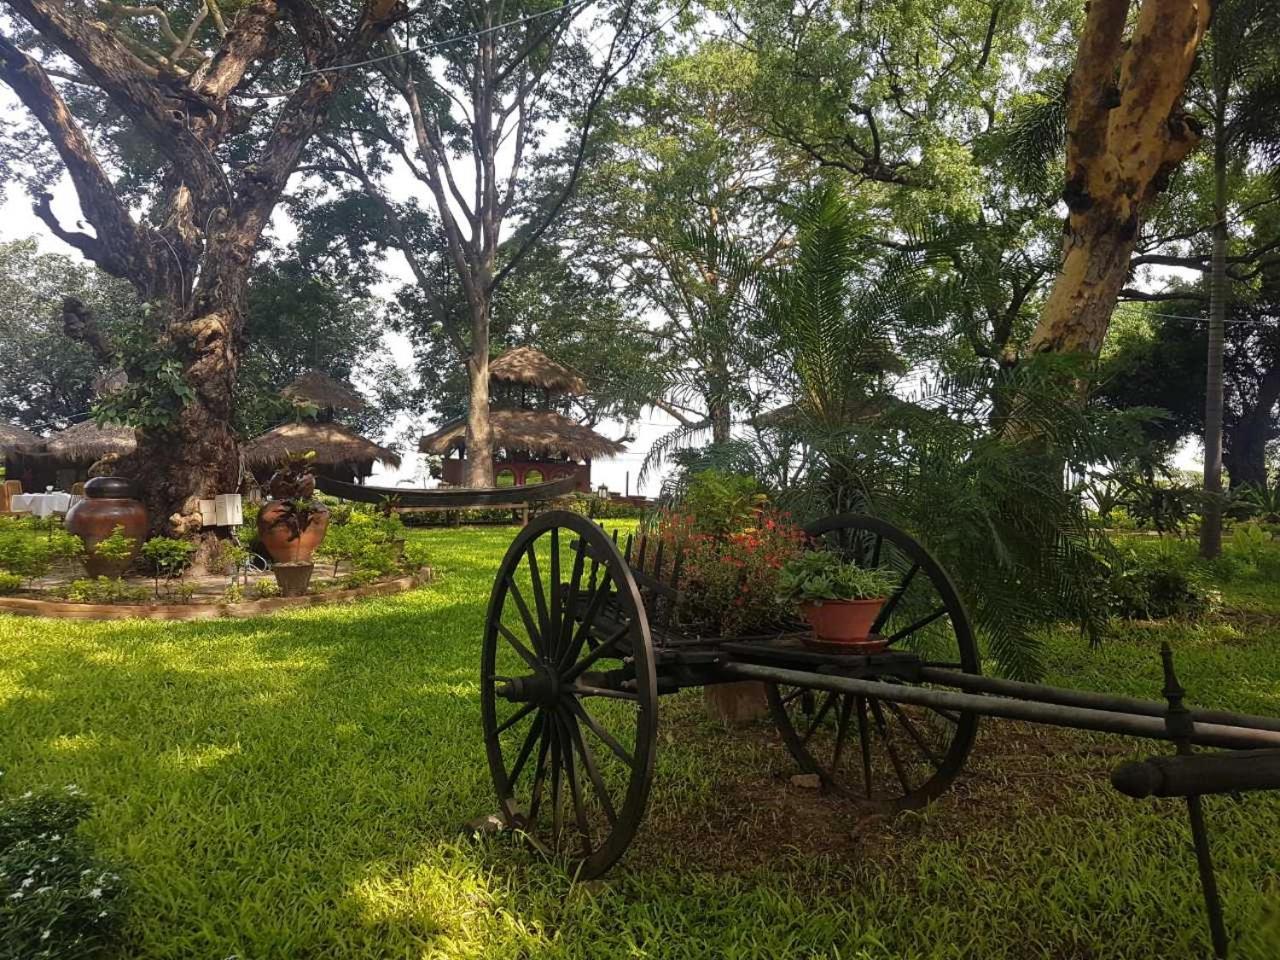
(1055, 714)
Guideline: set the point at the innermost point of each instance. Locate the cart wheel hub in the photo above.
(542, 688)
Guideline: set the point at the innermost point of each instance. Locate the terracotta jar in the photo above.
(277, 531)
(108, 503)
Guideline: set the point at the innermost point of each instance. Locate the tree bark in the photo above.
(480, 471)
(1246, 440)
(1211, 515)
(1125, 135)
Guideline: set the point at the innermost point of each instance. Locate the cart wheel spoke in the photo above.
(842, 729)
(592, 767)
(539, 592)
(864, 737)
(519, 647)
(535, 635)
(878, 712)
(604, 735)
(605, 648)
(918, 625)
(526, 749)
(512, 720)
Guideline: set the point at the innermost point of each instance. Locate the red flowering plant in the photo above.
(728, 579)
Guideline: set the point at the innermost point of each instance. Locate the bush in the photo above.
(104, 590)
(1155, 586)
(720, 502)
(729, 584)
(115, 548)
(9, 583)
(358, 578)
(265, 589)
(168, 558)
(24, 551)
(233, 594)
(416, 555)
(1249, 542)
(57, 900)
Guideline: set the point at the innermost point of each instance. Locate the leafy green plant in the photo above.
(265, 589)
(234, 593)
(57, 899)
(9, 583)
(416, 555)
(23, 550)
(360, 577)
(169, 558)
(232, 556)
(375, 558)
(819, 575)
(1154, 586)
(721, 502)
(1265, 500)
(104, 590)
(1249, 542)
(117, 548)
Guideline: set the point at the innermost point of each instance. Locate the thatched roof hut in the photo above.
(86, 442)
(533, 368)
(540, 432)
(14, 438)
(324, 391)
(334, 446)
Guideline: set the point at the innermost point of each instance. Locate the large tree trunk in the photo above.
(1247, 438)
(1211, 514)
(479, 428)
(1125, 135)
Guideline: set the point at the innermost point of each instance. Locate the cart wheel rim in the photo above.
(885, 755)
(569, 693)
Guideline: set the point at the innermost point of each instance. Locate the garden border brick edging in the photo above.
(65, 610)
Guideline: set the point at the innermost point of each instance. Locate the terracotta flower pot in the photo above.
(108, 503)
(293, 578)
(845, 624)
(282, 541)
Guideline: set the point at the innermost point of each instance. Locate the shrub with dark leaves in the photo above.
(57, 900)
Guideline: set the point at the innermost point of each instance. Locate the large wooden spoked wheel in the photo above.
(568, 693)
(890, 756)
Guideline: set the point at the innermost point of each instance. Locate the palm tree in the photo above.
(1242, 95)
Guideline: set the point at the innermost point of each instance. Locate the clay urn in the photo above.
(293, 524)
(109, 502)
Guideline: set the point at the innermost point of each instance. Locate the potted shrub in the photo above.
(839, 600)
(293, 524)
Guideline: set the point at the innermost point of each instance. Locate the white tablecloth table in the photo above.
(42, 504)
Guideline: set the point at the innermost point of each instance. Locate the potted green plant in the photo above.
(293, 524)
(840, 600)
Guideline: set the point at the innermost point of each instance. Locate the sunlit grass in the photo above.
(294, 786)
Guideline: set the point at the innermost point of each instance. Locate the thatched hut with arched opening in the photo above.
(64, 459)
(341, 453)
(532, 442)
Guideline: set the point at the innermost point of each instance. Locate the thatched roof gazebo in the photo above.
(535, 446)
(86, 442)
(323, 391)
(340, 451)
(14, 439)
(533, 368)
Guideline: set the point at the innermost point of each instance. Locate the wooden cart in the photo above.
(582, 639)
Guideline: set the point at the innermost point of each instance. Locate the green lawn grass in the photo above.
(293, 787)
